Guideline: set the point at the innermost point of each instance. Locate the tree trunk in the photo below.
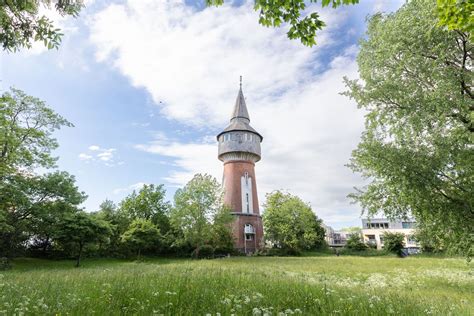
(45, 246)
(139, 253)
(78, 262)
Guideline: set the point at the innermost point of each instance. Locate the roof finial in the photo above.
(240, 82)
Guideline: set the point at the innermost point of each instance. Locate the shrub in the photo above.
(394, 242)
(354, 242)
(4, 264)
(205, 251)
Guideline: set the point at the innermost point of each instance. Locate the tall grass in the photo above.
(241, 286)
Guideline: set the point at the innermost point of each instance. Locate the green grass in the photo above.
(322, 285)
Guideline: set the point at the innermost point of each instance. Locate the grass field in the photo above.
(323, 285)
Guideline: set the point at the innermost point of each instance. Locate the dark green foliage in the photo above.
(4, 264)
(21, 24)
(31, 205)
(417, 149)
(290, 224)
(354, 242)
(79, 229)
(142, 235)
(203, 252)
(394, 242)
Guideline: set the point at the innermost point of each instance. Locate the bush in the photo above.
(284, 252)
(205, 251)
(394, 242)
(354, 242)
(4, 264)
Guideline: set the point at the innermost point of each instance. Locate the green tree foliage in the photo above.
(118, 222)
(149, 203)
(457, 15)
(142, 235)
(354, 242)
(21, 24)
(417, 150)
(428, 241)
(30, 203)
(198, 215)
(302, 26)
(393, 242)
(79, 229)
(290, 224)
(26, 127)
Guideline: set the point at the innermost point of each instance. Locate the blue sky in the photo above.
(149, 83)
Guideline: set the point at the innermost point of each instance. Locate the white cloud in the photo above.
(189, 61)
(86, 157)
(130, 188)
(105, 155)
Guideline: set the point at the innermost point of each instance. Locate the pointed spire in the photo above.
(240, 108)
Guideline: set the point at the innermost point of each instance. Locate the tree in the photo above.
(118, 222)
(221, 238)
(354, 242)
(290, 224)
(456, 15)
(81, 229)
(142, 234)
(393, 242)
(149, 203)
(197, 214)
(26, 127)
(453, 14)
(429, 241)
(302, 27)
(31, 205)
(21, 24)
(417, 149)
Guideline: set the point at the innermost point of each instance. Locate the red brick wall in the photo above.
(233, 171)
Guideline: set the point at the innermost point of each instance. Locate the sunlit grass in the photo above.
(324, 285)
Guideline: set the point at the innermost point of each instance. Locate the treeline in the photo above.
(40, 214)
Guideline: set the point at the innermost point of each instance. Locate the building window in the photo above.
(249, 232)
(408, 225)
(411, 239)
(248, 203)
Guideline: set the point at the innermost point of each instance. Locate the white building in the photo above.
(336, 238)
(374, 228)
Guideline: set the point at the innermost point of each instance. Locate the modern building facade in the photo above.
(374, 228)
(337, 238)
(239, 150)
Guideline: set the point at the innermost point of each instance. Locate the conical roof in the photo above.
(240, 119)
(240, 108)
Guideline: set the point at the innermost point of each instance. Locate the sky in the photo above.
(148, 84)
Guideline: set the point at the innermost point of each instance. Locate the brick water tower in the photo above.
(239, 150)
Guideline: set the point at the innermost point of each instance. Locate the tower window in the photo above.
(248, 204)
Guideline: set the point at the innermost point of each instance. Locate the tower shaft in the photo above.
(239, 150)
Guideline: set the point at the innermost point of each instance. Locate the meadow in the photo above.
(318, 285)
